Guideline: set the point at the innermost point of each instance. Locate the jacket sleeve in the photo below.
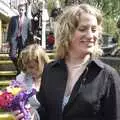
(110, 104)
(42, 99)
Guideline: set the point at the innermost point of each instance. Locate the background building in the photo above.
(6, 12)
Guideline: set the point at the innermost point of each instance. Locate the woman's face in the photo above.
(85, 36)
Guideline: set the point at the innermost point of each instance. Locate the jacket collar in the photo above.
(97, 62)
(92, 61)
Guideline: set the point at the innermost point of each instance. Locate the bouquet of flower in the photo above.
(15, 97)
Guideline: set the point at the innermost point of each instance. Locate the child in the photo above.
(32, 59)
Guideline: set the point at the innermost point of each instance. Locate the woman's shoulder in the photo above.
(106, 67)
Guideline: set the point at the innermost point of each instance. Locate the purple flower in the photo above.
(15, 83)
(20, 100)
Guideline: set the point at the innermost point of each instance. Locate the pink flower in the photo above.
(5, 99)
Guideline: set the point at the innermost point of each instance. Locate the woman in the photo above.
(78, 86)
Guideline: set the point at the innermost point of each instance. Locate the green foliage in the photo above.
(109, 25)
(110, 9)
(50, 5)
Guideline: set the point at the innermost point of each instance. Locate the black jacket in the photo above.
(95, 96)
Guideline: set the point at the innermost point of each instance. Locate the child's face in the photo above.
(32, 68)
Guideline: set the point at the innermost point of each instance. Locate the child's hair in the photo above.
(33, 52)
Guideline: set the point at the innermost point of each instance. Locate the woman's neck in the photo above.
(75, 60)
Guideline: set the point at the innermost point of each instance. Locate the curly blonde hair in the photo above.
(33, 52)
(68, 22)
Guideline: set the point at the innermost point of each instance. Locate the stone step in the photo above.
(5, 56)
(7, 65)
(6, 62)
(7, 75)
(10, 73)
(6, 116)
(4, 83)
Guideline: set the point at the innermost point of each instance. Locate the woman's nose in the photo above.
(90, 35)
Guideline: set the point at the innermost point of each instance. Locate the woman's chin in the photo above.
(90, 50)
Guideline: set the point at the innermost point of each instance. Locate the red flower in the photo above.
(5, 99)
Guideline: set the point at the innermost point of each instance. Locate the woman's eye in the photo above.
(93, 30)
(85, 29)
(81, 29)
